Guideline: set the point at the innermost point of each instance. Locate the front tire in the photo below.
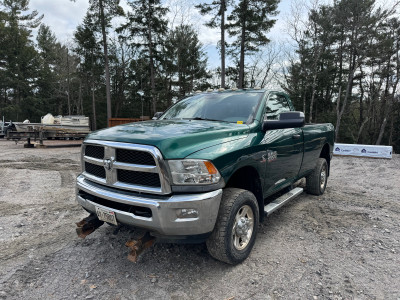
(236, 228)
(317, 180)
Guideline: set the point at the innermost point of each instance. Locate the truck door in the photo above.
(284, 147)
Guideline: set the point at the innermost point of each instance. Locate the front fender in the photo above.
(234, 155)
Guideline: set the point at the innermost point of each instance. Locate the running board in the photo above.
(282, 200)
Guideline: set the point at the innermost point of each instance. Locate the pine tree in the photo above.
(249, 23)
(347, 70)
(18, 58)
(186, 60)
(356, 23)
(3, 57)
(148, 27)
(218, 8)
(104, 11)
(46, 80)
(91, 60)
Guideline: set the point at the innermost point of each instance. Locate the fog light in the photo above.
(186, 213)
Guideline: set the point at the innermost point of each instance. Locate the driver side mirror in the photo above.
(290, 119)
(157, 115)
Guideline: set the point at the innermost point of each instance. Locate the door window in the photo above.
(276, 104)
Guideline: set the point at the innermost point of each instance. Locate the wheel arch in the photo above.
(326, 153)
(248, 178)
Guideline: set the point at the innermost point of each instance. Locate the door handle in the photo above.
(296, 136)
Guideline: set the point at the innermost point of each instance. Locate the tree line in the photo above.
(347, 70)
(106, 70)
(342, 66)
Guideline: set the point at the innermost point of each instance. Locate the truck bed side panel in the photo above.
(315, 137)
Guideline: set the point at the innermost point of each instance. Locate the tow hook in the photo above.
(139, 245)
(87, 225)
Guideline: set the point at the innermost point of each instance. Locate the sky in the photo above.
(63, 16)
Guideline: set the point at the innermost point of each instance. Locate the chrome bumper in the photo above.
(164, 209)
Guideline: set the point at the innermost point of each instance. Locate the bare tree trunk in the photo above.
(364, 120)
(80, 105)
(338, 109)
(223, 43)
(106, 62)
(346, 97)
(266, 75)
(94, 108)
(312, 97)
(241, 62)
(394, 90)
(304, 99)
(361, 109)
(361, 129)
(68, 82)
(253, 80)
(391, 131)
(387, 109)
(169, 92)
(381, 132)
(152, 75)
(387, 104)
(191, 82)
(384, 122)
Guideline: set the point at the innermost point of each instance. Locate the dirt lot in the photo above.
(343, 245)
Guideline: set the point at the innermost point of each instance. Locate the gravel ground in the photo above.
(342, 245)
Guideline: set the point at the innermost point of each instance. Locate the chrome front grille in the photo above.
(95, 170)
(141, 178)
(126, 166)
(94, 151)
(134, 157)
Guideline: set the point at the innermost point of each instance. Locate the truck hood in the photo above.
(174, 138)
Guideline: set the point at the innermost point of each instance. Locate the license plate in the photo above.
(106, 215)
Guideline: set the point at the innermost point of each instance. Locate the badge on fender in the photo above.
(272, 155)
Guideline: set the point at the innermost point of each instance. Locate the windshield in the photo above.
(228, 107)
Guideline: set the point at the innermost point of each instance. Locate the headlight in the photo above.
(193, 171)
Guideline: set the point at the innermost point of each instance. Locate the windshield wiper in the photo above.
(204, 119)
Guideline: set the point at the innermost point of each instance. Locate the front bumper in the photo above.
(163, 210)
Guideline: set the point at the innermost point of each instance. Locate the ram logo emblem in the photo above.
(108, 164)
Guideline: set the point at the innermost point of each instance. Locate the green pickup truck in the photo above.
(208, 170)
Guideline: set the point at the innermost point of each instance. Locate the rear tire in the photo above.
(236, 228)
(317, 180)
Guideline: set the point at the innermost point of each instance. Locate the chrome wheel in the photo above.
(243, 227)
(322, 182)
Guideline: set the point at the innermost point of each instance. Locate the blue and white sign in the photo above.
(363, 150)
